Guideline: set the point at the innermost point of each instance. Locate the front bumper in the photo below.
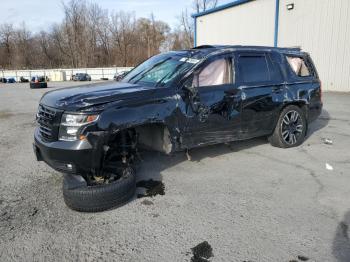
(74, 157)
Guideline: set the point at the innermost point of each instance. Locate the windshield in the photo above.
(160, 70)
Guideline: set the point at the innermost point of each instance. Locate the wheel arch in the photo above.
(302, 104)
(151, 135)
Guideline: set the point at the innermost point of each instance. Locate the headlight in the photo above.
(71, 125)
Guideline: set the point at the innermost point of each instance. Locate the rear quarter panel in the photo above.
(303, 90)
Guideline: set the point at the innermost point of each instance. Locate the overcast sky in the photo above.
(40, 14)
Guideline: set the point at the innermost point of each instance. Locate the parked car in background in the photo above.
(120, 75)
(38, 82)
(81, 77)
(23, 80)
(3, 80)
(11, 80)
(173, 101)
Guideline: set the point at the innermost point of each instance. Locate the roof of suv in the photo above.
(207, 49)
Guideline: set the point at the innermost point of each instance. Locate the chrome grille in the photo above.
(48, 120)
(46, 113)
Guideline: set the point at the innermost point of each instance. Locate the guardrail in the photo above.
(61, 74)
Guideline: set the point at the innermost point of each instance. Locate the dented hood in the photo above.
(83, 97)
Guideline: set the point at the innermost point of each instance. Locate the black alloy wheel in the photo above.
(292, 127)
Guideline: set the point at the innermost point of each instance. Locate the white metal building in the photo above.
(320, 27)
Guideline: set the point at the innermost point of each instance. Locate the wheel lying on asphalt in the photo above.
(291, 128)
(81, 197)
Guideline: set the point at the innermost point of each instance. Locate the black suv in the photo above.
(171, 102)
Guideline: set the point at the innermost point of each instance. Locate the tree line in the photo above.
(90, 36)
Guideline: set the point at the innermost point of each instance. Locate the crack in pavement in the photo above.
(320, 184)
(303, 150)
(310, 172)
(333, 119)
(336, 133)
(345, 162)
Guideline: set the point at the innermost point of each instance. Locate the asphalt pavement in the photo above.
(248, 200)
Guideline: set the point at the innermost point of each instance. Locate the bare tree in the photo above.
(49, 53)
(186, 29)
(75, 25)
(24, 52)
(123, 27)
(6, 38)
(183, 36)
(203, 5)
(88, 36)
(99, 34)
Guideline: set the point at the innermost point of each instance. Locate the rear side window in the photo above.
(299, 66)
(253, 69)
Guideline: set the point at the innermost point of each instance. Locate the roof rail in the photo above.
(203, 46)
(290, 49)
(295, 47)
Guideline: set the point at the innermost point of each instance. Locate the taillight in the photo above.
(321, 91)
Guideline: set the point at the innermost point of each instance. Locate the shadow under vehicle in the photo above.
(173, 102)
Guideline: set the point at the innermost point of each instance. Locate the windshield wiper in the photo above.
(144, 73)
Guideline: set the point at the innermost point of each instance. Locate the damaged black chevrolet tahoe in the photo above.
(173, 101)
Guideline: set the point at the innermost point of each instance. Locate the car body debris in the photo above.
(329, 167)
(327, 141)
(202, 252)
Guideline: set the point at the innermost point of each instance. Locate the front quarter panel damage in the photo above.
(140, 115)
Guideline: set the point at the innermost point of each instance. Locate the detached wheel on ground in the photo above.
(291, 128)
(81, 197)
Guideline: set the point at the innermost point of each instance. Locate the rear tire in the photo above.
(100, 197)
(290, 129)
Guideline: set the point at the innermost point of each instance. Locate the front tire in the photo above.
(99, 197)
(290, 130)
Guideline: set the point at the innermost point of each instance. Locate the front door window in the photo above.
(216, 73)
